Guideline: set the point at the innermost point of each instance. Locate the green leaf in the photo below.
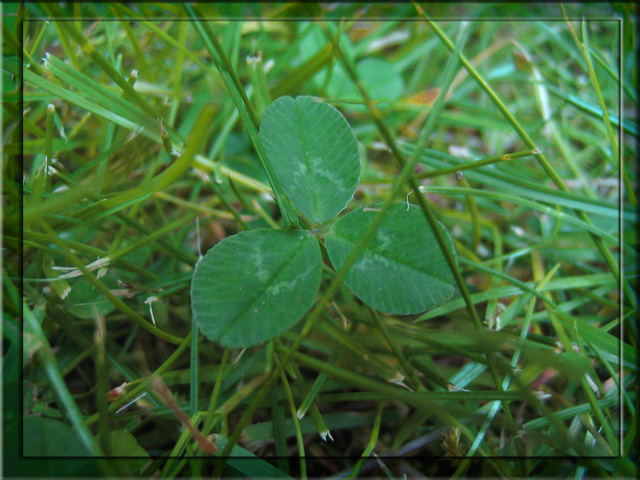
(313, 40)
(46, 437)
(245, 462)
(254, 285)
(378, 76)
(123, 444)
(314, 155)
(402, 270)
(85, 301)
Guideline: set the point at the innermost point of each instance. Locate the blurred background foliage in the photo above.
(102, 225)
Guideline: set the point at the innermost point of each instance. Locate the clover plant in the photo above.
(254, 285)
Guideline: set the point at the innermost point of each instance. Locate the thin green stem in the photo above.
(227, 205)
(414, 382)
(102, 380)
(373, 439)
(507, 157)
(473, 210)
(215, 394)
(296, 425)
(194, 370)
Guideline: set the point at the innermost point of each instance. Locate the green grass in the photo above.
(139, 150)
